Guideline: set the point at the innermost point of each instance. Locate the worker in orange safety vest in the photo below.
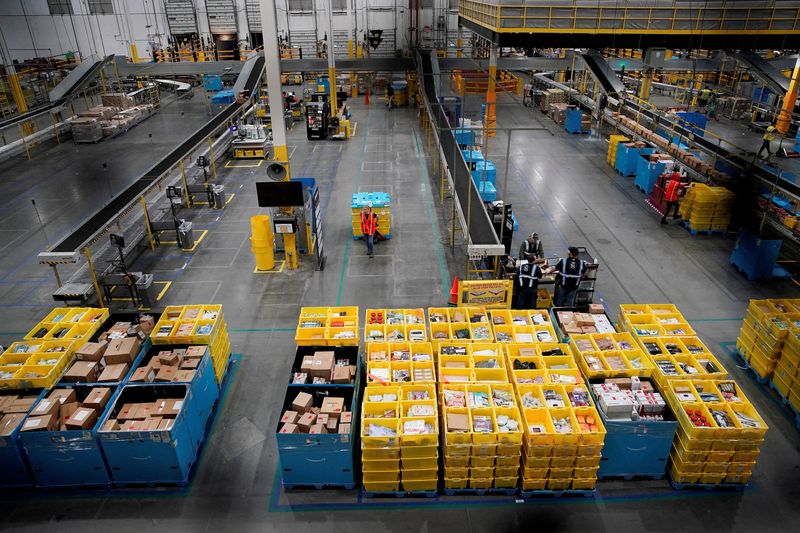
(369, 226)
(672, 194)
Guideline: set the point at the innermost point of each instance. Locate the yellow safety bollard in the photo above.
(262, 242)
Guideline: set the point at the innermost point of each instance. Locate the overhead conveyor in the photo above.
(603, 73)
(764, 71)
(483, 240)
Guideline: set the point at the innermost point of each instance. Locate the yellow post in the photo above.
(16, 93)
(785, 116)
(211, 157)
(185, 186)
(147, 223)
(644, 85)
(332, 80)
(290, 249)
(58, 277)
(282, 155)
(262, 242)
(359, 51)
(698, 84)
(350, 48)
(94, 277)
(491, 95)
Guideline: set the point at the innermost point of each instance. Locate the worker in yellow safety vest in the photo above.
(768, 137)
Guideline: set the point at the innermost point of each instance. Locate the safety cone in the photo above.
(454, 292)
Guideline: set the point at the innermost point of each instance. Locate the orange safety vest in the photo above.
(673, 188)
(369, 223)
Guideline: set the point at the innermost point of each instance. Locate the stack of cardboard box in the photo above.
(323, 368)
(330, 416)
(176, 365)
(13, 408)
(62, 410)
(159, 415)
(595, 321)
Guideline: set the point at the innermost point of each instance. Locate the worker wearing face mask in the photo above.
(531, 248)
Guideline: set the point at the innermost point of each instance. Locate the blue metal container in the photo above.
(160, 456)
(647, 173)
(573, 121)
(487, 191)
(13, 462)
(627, 159)
(71, 458)
(755, 257)
(692, 121)
(212, 82)
(465, 137)
(485, 171)
(327, 459)
(638, 448)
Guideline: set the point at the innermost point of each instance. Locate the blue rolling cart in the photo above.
(647, 173)
(573, 121)
(627, 159)
(13, 462)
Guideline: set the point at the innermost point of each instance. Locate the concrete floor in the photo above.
(560, 186)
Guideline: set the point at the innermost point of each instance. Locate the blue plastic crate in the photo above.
(13, 462)
(627, 159)
(465, 137)
(573, 121)
(223, 97)
(212, 82)
(485, 171)
(755, 257)
(487, 191)
(71, 458)
(160, 456)
(326, 459)
(377, 199)
(472, 157)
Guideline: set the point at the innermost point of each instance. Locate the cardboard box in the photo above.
(331, 425)
(47, 407)
(126, 412)
(332, 406)
(195, 352)
(168, 408)
(83, 418)
(341, 374)
(190, 364)
(346, 417)
(302, 402)
(317, 429)
(289, 417)
(91, 351)
(143, 374)
(305, 421)
(322, 365)
(110, 425)
(19, 405)
(344, 429)
(147, 410)
(122, 351)
(588, 329)
(527, 352)
(184, 376)
(307, 364)
(571, 327)
(181, 353)
(584, 319)
(457, 422)
(83, 372)
(166, 373)
(8, 423)
(116, 372)
(289, 428)
(40, 423)
(322, 419)
(165, 424)
(63, 396)
(151, 424)
(67, 410)
(98, 399)
(168, 358)
(596, 309)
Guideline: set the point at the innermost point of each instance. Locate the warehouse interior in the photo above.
(148, 148)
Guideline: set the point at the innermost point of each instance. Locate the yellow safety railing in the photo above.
(730, 18)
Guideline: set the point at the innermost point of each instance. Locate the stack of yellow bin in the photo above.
(653, 320)
(764, 331)
(563, 432)
(522, 325)
(610, 355)
(395, 325)
(399, 439)
(707, 208)
(327, 326)
(459, 324)
(719, 434)
(613, 141)
(482, 428)
(786, 379)
(63, 323)
(196, 324)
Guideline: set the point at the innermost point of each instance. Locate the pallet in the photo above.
(785, 402)
(480, 492)
(629, 477)
(318, 486)
(400, 494)
(731, 487)
(693, 231)
(578, 132)
(361, 237)
(746, 366)
(558, 493)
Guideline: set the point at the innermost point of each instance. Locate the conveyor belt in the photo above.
(603, 73)
(76, 88)
(481, 232)
(82, 234)
(764, 70)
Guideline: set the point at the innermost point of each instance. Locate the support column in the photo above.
(272, 71)
(644, 85)
(459, 42)
(331, 61)
(490, 118)
(785, 116)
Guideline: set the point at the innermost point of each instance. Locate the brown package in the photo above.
(289, 428)
(333, 407)
(82, 371)
(121, 351)
(83, 418)
(596, 309)
(47, 407)
(40, 423)
(457, 422)
(195, 352)
(91, 351)
(67, 410)
(114, 372)
(322, 419)
(289, 417)
(9, 423)
(144, 375)
(19, 406)
(331, 425)
(317, 429)
(346, 417)
(190, 364)
(110, 425)
(184, 376)
(341, 374)
(63, 396)
(168, 358)
(344, 429)
(307, 364)
(305, 422)
(323, 365)
(166, 373)
(126, 412)
(302, 402)
(98, 399)
(165, 424)
(169, 408)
